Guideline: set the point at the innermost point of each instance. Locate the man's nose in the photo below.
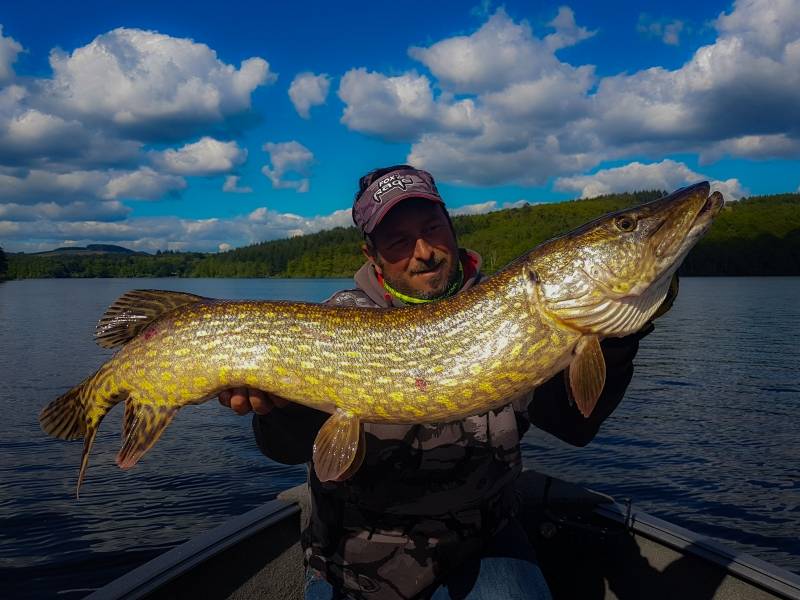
(423, 250)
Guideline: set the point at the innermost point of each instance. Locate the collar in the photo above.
(450, 291)
(366, 279)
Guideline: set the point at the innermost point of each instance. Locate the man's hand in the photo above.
(243, 400)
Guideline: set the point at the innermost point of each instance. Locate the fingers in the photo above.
(244, 400)
(260, 402)
(225, 397)
(240, 401)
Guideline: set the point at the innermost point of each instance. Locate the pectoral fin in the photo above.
(142, 425)
(339, 447)
(587, 374)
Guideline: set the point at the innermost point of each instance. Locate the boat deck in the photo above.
(589, 547)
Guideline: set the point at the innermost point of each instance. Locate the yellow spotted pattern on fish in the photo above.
(436, 362)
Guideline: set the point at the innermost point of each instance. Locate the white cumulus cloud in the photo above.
(753, 146)
(111, 210)
(496, 159)
(394, 107)
(500, 106)
(89, 188)
(31, 137)
(290, 159)
(770, 27)
(509, 128)
(231, 185)
(150, 85)
(746, 83)
(666, 175)
(501, 52)
(142, 184)
(308, 90)
(41, 232)
(567, 32)
(275, 224)
(481, 208)
(207, 156)
(401, 107)
(9, 49)
(33, 186)
(73, 145)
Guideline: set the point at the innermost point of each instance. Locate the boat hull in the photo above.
(588, 546)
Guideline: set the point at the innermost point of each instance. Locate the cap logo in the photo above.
(389, 183)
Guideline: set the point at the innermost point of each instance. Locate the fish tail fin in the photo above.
(78, 413)
(88, 440)
(64, 417)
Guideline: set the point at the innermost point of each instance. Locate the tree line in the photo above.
(3, 265)
(754, 236)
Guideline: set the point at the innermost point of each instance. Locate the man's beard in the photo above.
(403, 288)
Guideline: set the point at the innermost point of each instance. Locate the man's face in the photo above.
(415, 249)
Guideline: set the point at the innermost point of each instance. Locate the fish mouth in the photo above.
(687, 216)
(673, 246)
(711, 208)
(703, 220)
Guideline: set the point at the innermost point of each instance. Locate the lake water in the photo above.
(707, 436)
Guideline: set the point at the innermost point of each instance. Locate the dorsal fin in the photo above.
(135, 310)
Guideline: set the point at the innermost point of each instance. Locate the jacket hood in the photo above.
(367, 280)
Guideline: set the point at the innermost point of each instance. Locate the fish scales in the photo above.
(396, 366)
(544, 313)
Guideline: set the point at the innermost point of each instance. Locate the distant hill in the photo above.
(91, 249)
(754, 236)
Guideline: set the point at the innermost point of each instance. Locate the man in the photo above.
(431, 511)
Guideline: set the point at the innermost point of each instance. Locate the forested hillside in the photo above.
(755, 236)
(3, 265)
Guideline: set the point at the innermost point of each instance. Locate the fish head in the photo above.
(609, 276)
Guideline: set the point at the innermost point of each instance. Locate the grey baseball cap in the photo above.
(387, 191)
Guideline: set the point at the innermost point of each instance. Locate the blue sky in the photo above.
(206, 126)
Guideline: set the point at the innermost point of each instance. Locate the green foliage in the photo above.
(3, 265)
(26, 266)
(755, 236)
(332, 253)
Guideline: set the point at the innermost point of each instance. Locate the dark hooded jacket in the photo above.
(428, 496)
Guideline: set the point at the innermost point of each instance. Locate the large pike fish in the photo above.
(545, 312)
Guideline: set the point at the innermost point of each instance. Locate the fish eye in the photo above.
(625, 223)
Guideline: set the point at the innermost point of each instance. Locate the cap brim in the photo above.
(384, 209)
